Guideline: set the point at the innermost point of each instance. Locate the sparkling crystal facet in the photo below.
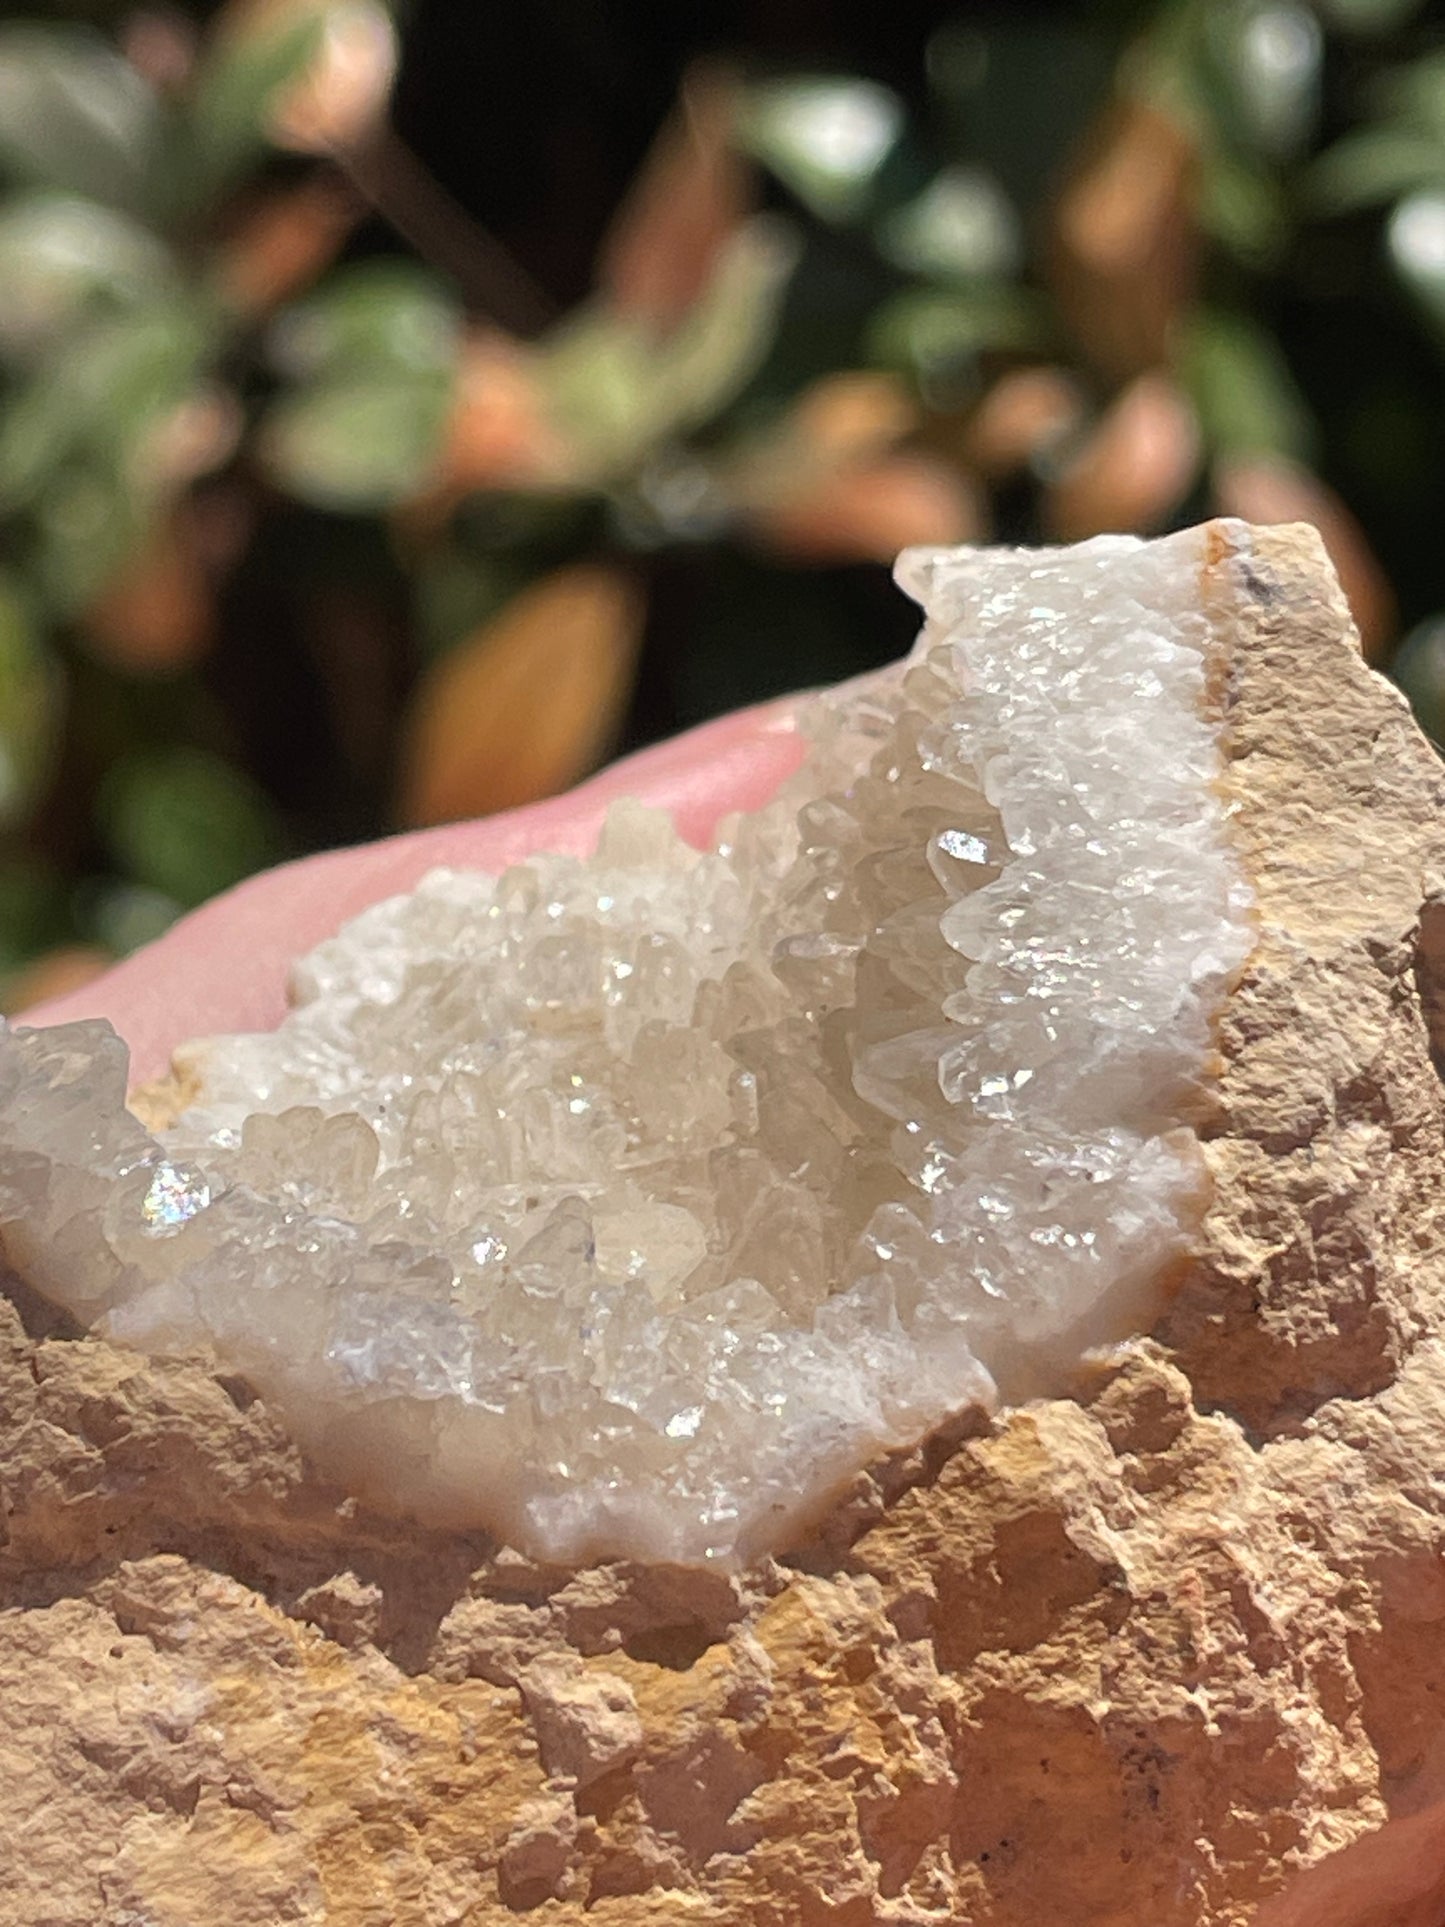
(630, 1206)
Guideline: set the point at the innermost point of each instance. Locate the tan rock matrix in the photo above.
(1128, 1653)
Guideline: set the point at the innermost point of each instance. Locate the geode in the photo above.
(1136, 1648)
(631, 1205)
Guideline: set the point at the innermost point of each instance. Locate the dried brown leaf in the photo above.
(156, 615)
(691, 195)
(284, 242)
(342, 97)
(527, 704)
(851, 416)
(1125, 251)
(1135, 467)
(868, 511)
(56, 973)
(499, 434)
(841, 422)
(1024, 414)
(161, 46)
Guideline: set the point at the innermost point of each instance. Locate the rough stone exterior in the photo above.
(1131, 1659)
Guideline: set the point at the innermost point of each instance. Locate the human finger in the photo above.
(224, 967)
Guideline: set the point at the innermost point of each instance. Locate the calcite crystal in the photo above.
(632, 1205)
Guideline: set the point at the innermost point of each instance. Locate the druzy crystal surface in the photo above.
(630, 1206)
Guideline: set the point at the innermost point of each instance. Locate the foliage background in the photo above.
(401, 410)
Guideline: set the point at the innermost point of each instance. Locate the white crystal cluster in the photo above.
(630, 1206)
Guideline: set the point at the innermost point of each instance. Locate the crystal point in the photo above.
(629, 1207)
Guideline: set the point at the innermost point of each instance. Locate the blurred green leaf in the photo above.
(32, 911)
(1243, 206)
(88, 522)
(596, 375)
(1415, 94)
(930, 333)
(1402, 153)
(239, 82)
(616, 392)
(76, 117)
(59, 256)
(95, 399)
(79, 443)
(960, 228)
(357, 442)
(1419, 669)
(1243, 75)
(1374, 165)
(387, 315)
(185, 824)
(375, 355)
(1242, 388)
(1367, 16)
(825, 138)
(124, 916)
(705, 362)
(1264, 85)
(1416, 237)
(30, 701)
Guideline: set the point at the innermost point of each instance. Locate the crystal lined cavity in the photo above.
(629, 1206)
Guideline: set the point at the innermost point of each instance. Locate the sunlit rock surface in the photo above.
(630, 1207)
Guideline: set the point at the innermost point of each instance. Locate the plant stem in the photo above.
(393, 180)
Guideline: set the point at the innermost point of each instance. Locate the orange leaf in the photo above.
(1023, 415)
(1134, 468)
(285, 241)
(54, 974)
(869, 511)
(195, 438)
(1269, 488)
(527, 704)
(690, 196)
(499, 435)
(161, 46)
(849, 416)
(342, 97)
(842, 422)
(1125, 250)
(156, 614)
